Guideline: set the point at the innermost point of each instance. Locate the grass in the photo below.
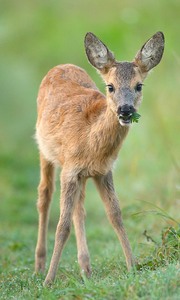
(109, 280)
(147, 285)
(35, 36)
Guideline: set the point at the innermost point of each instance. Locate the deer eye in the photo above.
(110, 88)
(138, 87)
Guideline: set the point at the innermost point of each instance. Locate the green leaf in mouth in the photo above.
(135, 117)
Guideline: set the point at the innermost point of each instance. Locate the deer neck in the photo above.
(107, 133)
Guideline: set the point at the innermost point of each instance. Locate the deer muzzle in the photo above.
(125, 112)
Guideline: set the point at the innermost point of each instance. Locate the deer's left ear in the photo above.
(151, 53)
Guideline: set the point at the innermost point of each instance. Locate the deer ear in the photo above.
(98, 54)
(151, 53)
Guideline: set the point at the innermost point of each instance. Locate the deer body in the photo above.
(75, 125)
(81, 130)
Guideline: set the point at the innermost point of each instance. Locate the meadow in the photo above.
(35, 36)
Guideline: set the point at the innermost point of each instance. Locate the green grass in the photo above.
(35, 36)
(109, 280)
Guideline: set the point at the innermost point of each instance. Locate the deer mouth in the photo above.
(125, 113)
(125, 119)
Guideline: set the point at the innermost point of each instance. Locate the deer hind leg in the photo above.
(70, 188)
(45, 191)
(106, 189)
(79, 225)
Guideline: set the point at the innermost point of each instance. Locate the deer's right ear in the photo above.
(151, 53)
(98, 54)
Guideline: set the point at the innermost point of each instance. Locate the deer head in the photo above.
(124, 80)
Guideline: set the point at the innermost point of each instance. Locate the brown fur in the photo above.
(78, 128)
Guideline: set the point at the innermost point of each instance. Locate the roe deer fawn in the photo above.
(81, 130)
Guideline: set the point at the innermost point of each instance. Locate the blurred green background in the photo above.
(37, 35)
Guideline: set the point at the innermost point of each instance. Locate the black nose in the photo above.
(125, 110)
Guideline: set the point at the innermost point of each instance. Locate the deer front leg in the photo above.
(106, 189)
(70, 186)
(79, 220)
(45, 191)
